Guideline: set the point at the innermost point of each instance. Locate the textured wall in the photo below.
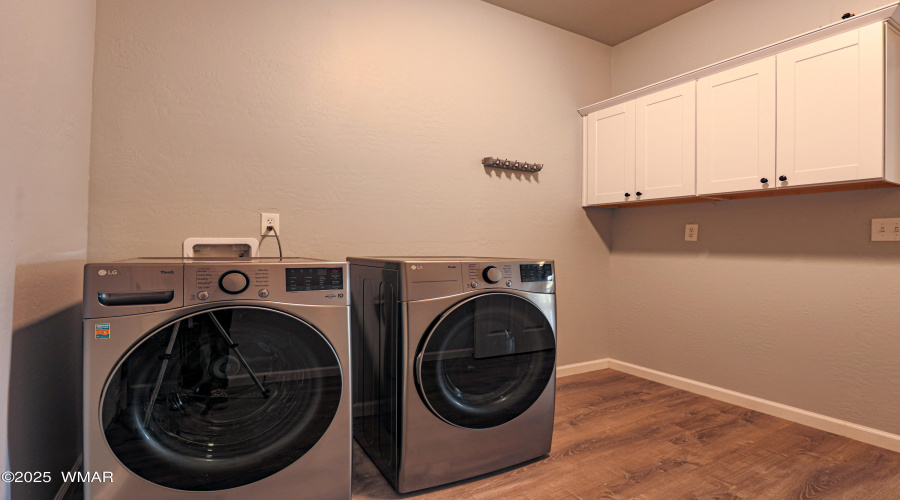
(361, 122)
(782, 298)
(46, 63)
(718, 30)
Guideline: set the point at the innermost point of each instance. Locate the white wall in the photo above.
(46, 61)
(362, 122)
(782, 298)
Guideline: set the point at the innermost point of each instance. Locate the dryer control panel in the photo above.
(424, 278)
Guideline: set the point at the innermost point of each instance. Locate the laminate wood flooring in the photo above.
(617, 436)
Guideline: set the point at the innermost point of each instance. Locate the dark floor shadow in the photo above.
(369, 483)
(45, 401)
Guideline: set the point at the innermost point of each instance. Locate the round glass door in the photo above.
(221, 398)
(486, 361)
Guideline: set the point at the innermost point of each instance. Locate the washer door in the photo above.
(486, 360)
(221, 398)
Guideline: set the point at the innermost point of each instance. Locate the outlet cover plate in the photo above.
(264, 219)
(691, 232)
(885, 229)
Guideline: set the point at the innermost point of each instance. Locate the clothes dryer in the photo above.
(454, 364)
(223, 379)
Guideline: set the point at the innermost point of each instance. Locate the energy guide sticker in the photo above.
(102, 331)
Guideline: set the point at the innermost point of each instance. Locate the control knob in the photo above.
(234, 282)
(491, 274)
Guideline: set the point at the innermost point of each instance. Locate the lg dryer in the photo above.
(454, 365)
(217, 379)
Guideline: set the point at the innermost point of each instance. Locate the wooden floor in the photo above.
(622, 437)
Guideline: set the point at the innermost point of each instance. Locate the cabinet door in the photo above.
(666, 149)
(736, 129)
(610, 144)
(830, 109)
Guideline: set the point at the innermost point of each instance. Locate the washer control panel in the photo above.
(234, 282)
(319, 284)
(306, 279)
(526, 276)
(530, 273)
(491, 274)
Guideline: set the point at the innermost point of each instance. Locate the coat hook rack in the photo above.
(512, 165)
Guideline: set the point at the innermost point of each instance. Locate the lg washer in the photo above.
(454, 365)
(223, 379)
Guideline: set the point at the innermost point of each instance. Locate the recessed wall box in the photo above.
(221, 247)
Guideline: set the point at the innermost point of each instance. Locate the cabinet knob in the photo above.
(782, 178)
(638, 193)
(627, 195)
(764, 180)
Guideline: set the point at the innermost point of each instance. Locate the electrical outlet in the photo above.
(885, 229)
(266, 220)
(691, 231)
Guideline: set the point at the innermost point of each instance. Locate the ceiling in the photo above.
(607, 21)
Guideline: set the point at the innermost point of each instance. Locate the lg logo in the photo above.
(104, 272)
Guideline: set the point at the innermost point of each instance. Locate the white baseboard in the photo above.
(815, 420)
(587, 366)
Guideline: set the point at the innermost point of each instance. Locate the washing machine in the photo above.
(454, 365)
(225, 379)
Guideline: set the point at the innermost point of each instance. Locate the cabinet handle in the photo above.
(627, 195)
(764, 180)
(638, 193)
(782, 178)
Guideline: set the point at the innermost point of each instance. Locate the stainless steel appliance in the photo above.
(454, 364)
(217, 378)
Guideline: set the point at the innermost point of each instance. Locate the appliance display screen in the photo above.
(305, 279)
(536, 272)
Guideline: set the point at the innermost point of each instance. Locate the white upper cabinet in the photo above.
(831, 109)
(610, 154)
(813, 113)
(666, 150)
(736, 129)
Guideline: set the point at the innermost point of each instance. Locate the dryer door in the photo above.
(221, 398)
(486, 360)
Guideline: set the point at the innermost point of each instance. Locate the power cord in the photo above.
(271, 228)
